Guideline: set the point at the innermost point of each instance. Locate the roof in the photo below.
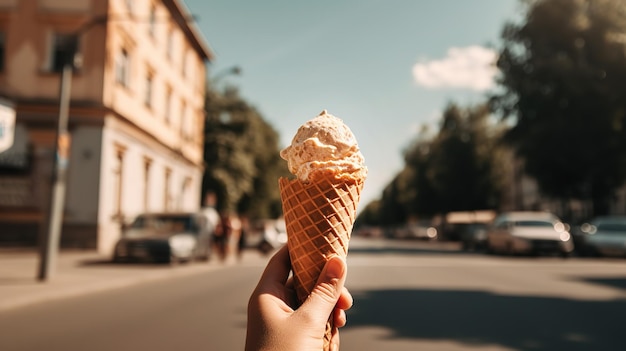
(526, 215)
(470, 216)
(186, 21)
(168, 214)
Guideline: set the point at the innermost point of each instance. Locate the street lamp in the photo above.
(234, 70)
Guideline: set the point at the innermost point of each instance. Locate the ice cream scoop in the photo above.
(324, 146)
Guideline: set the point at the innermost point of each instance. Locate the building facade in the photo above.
(135, 119)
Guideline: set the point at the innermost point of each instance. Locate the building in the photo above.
(135, 119)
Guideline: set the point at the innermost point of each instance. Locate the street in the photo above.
(407, 296)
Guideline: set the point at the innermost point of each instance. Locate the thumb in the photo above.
(322, 300)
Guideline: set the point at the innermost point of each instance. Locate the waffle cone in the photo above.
(319, 217)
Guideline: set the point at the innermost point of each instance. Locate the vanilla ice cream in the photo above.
(325, 146)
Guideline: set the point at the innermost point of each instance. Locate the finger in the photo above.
(322, 300)
(334, 340)
(339, 318)
(345, 300)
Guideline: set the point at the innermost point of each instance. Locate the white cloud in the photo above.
(472, 67)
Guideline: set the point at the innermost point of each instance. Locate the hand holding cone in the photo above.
(320, 206)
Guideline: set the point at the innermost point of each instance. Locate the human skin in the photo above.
(273, 322)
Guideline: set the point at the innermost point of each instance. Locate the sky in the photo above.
(385, 67)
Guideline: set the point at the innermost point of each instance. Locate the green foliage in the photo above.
(370, 215)
(458, 169)
(563, 79)
(241, 153)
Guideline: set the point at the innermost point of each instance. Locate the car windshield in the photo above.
(166, 223)
(534, 223)
(611, 226)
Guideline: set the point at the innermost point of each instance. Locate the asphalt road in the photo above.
(408, 296)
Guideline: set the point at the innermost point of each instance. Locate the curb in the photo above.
(59, 290)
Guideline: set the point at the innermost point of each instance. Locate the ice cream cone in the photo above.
(319, 216)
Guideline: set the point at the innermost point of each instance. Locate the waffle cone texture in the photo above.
(319, 216)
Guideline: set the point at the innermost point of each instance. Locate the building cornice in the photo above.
(184, 19)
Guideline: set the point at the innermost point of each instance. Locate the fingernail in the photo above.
(334, 268)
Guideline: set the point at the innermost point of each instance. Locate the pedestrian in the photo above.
(222, 236)
(241, 243)
(235, 232)
(210, 214)
(275, 323)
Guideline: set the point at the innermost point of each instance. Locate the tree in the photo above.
(564, 88)
(459, 170)
(369, 216)
(423, 198)
(241, 154)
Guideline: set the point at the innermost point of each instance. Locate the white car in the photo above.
(165, 238)
(605, 236)
(267, 235)
(529, 232)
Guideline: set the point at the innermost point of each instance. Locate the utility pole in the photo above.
(50, 233)
(50, 242)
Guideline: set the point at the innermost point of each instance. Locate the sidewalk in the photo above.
(84, 272)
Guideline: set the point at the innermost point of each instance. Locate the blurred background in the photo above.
(494, 132)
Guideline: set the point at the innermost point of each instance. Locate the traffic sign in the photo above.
(7, 125)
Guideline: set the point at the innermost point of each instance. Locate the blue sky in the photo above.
(385, 67)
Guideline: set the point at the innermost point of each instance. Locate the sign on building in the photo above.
(7, 125)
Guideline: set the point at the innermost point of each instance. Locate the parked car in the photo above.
(422, 230)
(165, 237)
(529, 233)
(465, 226)
(474, 236)
(267, 235)
(604, 236)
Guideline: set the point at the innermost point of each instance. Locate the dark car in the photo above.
(604, 236)
(467, 227)
(165, 237)
(474, 236)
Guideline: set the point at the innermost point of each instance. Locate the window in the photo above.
(184, 64)
(184, 193)
(167, 196)
(147, 98)
(152, 21)
(2, 50)
(64, 46)
(118, 178)
(122, 68)
(169, 48)
(168, 104)
(147, 164)
(183, 119)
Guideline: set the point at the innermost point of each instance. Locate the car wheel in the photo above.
(489, 249)
(165, 260)
(510, 249)
(205, 257)
(208, 251)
